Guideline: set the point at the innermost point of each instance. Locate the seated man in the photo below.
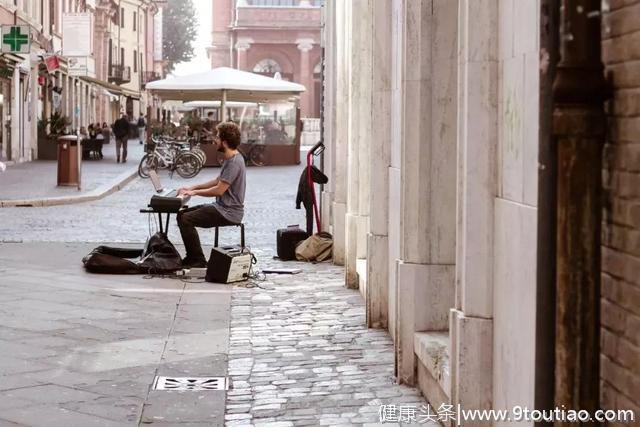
(208, 127)
(228, 188)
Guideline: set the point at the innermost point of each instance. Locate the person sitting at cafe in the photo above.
(106, 132)
(208, 127)
(100, 139)
(92, 131)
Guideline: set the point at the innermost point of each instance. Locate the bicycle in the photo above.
(256, 155)
(194, 145)
(172, 156)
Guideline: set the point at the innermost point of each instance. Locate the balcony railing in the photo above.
(119, 74)
(147, 77)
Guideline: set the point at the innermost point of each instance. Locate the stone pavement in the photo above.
(83, 350)
(301, 355)
(270, 204)
(37, 180)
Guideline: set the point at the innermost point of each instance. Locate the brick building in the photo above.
(268, 37)
(620, 340)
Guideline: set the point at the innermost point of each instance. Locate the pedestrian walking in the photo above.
(121, 132)
(142, 126)
(106, 132)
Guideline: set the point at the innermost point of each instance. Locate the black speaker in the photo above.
(228, 264)
(286, 241)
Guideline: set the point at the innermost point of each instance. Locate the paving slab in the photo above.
(90, 355)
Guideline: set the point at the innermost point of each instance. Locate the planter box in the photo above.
(277, 155)
(47, 147)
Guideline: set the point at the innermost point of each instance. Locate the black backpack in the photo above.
(158, 257)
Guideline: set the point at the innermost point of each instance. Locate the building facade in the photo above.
(130, 65)
(269, 37)
(19, 80)
(464, 195)
(90, 83)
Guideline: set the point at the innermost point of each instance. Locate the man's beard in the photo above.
(221, 149)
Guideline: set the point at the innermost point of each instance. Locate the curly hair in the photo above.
(230, 133)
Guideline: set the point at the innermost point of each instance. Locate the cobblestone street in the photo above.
(301, 355)
(270, 204)
(296, 348)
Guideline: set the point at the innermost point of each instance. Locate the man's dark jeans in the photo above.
(205, 216)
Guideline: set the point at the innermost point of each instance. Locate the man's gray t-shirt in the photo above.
(231, 203)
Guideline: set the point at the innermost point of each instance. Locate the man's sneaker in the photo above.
(188, 263)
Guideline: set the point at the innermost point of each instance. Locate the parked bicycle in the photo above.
(171, 155)
(256, 154)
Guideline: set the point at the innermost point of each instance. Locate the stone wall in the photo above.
(515, 215)
(620, 317)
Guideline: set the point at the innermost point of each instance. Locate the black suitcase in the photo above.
(287, 239)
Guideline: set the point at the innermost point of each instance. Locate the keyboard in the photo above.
(169, 193)
(168, 201)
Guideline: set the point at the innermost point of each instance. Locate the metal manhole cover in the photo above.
(190, 383)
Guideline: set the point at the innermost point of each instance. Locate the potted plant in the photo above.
(48, 132)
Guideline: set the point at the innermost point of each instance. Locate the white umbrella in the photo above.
(216, 104)
(225, 84)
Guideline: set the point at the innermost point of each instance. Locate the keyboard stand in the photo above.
(165, 231)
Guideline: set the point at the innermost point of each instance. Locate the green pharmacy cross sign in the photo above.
(15, 39)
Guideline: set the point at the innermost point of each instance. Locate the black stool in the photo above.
(230, 225)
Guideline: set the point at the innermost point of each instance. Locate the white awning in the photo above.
(112, 97)
(217, 83)
(216, 104)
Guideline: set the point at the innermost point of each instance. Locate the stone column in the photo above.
(219, 52)
(102, 61)
(395, 154)
(82, 102)
(329, 108)
(355, 43)
(342, 112)
(378, 237)
(16, 107)
(471, 325)
(242, 46)
(33, 114)
(306, 75)
(72, 102)
(425, 277)
(65, 94)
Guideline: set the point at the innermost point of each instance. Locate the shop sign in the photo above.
(16, 39)
(52, 62)
(76, 34)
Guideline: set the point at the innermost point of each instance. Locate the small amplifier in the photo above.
(228, 264)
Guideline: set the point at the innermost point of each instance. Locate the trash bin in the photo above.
(68, 160)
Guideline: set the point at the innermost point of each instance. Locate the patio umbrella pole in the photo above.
(223, 105)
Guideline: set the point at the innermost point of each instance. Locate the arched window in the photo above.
(268, 67)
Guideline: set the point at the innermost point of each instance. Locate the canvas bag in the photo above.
(315, 248)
